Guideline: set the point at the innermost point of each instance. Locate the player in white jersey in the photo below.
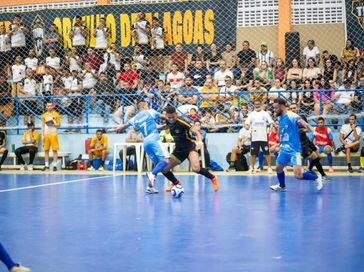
(258, 121)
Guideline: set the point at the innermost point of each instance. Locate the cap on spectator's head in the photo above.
(30, 124)
(362, 50)
(264, 44)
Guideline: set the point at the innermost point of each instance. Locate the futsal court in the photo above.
(100, 222)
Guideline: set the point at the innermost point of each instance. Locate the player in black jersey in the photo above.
(309, 151)
(185, 148)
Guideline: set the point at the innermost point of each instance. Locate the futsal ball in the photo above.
(177, 191)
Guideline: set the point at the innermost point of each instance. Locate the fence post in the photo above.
(87, 109)
(17, 113)
(321, 107)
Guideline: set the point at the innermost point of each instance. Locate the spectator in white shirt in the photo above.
(78, 35)
(47, 83)
(219, 76)
(311, 51)
(31, 61)
(175, 78)
(89, 78)
(140, 32)
(5, 48)
(53, 61)
(350, 140)
(101, 34)
(28, 106)
(17, 31)
(265, 55)
(18, 74)
(344, 95)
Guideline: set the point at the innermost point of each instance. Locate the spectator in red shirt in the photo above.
(130, 76)
(94, 59)
(180, 58)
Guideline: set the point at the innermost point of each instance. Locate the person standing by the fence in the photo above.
(50, 124)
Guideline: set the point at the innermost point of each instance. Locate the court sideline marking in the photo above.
(52, 184)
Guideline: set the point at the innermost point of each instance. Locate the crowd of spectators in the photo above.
(215, 85)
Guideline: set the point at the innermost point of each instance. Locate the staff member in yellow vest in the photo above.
(98, 149)
(50, 124)
(30, 145)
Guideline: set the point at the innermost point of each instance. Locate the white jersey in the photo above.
(29, 88)
(346, 129)
(78, 38)
(157, 38)
(219, 76)
(5, 45)
(18, 37)
(258, 121)
(73, 64)
(311, 53)
(245, 134)
(89, 81)
(139, 61)
(140, 27)
(31, 63)
(48, 83)
(101, 40)
(176, 80)
(54, 62)
(18, 72)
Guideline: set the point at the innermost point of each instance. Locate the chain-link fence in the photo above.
(211, 59)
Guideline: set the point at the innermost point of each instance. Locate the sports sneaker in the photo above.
(278, 188)
(54, 168)
(151, 179)
(331, 170)
(251, 171)
(361, 170)
(45, 168)
(169, 188)
(215, 184)
(20, 268)
(151, 190)
(91, 168)
(326, 179)
(270, 171)
(30, 167)
(231, 169)
(350, 169)
(319, 183)
(22, 167)
(101, 168)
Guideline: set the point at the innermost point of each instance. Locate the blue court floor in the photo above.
(69, 223)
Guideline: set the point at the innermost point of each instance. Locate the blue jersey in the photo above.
(145, 122)
(289, 132)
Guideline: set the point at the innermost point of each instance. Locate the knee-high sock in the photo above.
(309, 175)
(3, 158)
(319, 166)
(362, 157)
(159, 167)
(171, 177)
(329, 159)
(282, 179)
(261, 159)
(5, 258)
(206, 173)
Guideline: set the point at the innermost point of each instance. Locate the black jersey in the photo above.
(181, 133)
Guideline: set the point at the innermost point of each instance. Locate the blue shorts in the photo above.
(289, 158)
(321, 149)
(153, 147)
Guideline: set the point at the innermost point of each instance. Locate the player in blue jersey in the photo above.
(10, 264)
(145, 122)
(290, 146)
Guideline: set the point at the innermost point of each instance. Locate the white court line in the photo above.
(51, 184)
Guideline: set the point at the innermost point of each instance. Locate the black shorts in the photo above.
(259, 146)
(308, 149)
(181, 153)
